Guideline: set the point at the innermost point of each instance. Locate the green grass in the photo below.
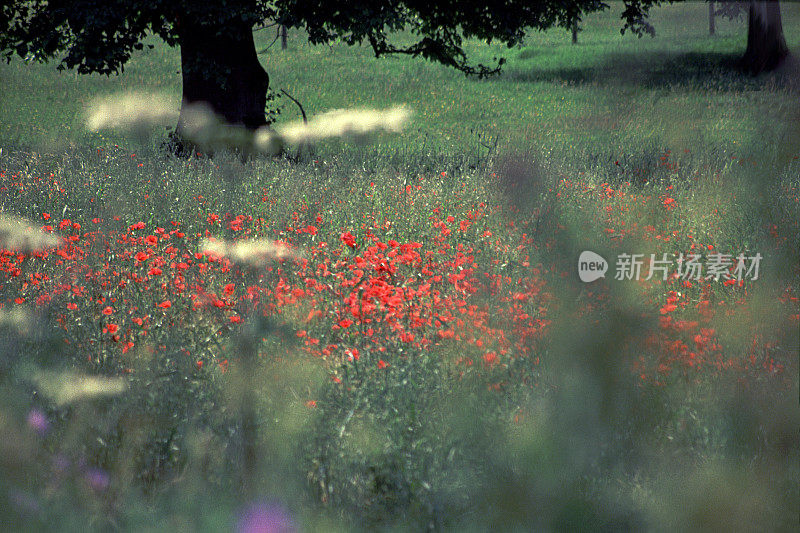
(592, 418)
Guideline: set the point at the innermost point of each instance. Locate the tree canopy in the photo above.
(99, 36)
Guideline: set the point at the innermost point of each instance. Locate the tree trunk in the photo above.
(575, 31)
(284, 42)
(220, 70)
(711, 17)
(766, 45)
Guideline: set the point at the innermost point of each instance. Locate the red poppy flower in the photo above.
(668, 308)
(166, 304)
(348, 239)
(108, 310)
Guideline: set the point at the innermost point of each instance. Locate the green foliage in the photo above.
(102, 38)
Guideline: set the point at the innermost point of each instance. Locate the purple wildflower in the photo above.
(265, 517)
(97, 479)
(38, 422)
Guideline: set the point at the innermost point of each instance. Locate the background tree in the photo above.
(730, 9)
(712, 14)
(577, 10)
(766, 44)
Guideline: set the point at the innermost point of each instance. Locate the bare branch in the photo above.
(293, 99)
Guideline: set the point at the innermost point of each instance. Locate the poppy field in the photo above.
(396, 337)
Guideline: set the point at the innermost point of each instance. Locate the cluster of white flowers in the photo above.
(256, 252)
(19, 235)
(67, 387)
(130, 111)
(200, 125)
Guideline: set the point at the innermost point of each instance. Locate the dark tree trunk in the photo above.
(284, 42)
(711, 16)
(766, 45)
(575, 31)
(220, 69)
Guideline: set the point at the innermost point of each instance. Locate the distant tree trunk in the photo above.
(575, 31)
(221, 69)
(711, 17)
(766, 45)
(284, 43)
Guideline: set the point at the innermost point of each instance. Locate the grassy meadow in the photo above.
(393, 335)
